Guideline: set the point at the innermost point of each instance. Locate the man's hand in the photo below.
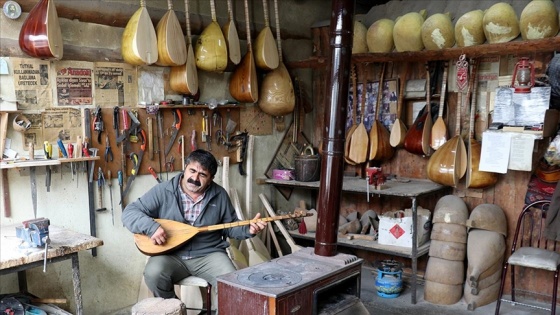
(256, 227)
(159, 237)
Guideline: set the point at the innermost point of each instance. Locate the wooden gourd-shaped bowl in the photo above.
(232, 38)
(211, 48)
(40, 35)
(172, 50)
(184, 79)
(266, 51)
(277, 97)
(139, 41)
(243, 85)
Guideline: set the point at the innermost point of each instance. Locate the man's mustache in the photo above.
(194, 182)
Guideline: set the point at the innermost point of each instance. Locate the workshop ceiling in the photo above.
(363, 6)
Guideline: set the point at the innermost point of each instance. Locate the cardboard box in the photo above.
(395, 227)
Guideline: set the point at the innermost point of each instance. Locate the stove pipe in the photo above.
(332, 160)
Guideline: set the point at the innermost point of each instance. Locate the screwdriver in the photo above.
(47, 147)
(120, 179)
(71, 155)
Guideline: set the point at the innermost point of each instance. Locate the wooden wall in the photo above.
(509, 192)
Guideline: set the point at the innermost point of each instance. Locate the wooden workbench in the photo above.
(65, 244)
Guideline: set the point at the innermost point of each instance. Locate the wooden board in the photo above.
(191, 120)
(255, 121)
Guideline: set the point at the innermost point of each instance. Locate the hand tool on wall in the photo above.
(218, 122)
(62, 148)
(79, 144)
(193, 140)
(47, 147)
(98, 123)
(153, 172)
(100, 186)
(182, 150)
(242, 137)
(116, 123)
(150, 138)
(230, 127)
(161, 144)
(208, 133)
(133, 113)
(110, 184)
(108, 151)
(136, 161)
(177, 119)
(204, 131)
(86, 146)
(33, 182)
(6, 194)
(126, 126)
(170, 165)
(70, 156)
(120, 180)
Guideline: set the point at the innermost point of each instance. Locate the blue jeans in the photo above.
(162, 272)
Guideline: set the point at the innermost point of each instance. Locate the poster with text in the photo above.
(74, 83)
(32, 83)
(115, 84)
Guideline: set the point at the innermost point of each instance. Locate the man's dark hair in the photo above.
(205, 158)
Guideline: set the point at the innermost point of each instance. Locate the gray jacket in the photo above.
(163, 201)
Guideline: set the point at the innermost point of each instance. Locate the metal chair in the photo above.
(531, 249)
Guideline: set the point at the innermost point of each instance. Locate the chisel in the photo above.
(100, 184)
(47, 147)
(110, 184)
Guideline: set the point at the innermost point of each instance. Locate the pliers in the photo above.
(108, 151)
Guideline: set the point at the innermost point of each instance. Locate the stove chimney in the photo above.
(332, 160)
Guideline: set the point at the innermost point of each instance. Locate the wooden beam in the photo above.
(117, 14)
(515, 47)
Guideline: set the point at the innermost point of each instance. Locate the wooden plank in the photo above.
(6, 194)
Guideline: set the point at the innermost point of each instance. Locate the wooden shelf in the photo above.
(518, 47)
(371, 245)
(191, 106)
(5, 164)
(400, 187)
(27, 163)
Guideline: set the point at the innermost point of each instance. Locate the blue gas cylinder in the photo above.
(389, 283)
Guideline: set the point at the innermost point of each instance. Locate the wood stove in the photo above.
(300, 283)
(309, 280)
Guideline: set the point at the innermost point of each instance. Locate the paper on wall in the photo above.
(521, 152)
(495, 152)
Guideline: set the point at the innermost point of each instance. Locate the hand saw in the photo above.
(176, 125)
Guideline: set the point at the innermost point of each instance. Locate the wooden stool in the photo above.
(198, 282)
(159, 306)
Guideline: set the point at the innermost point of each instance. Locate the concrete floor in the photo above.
(402, 304)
